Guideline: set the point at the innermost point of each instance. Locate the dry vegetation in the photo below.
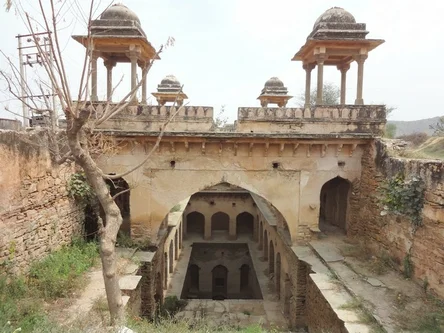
(422, 146)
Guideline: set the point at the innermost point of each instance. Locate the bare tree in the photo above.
(438, 127)
(82, 119)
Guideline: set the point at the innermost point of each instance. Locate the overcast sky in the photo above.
(225, 50)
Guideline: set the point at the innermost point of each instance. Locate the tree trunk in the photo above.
(113, 217)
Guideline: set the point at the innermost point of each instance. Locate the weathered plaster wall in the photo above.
(293, 187)
(35, 213)
(394, 233)
(230, 204)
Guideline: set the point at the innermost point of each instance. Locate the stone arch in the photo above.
(265, 245)
(245, 224)
(278, 275)
(195, 223)
(334, 199)
(171, 258)
(220, 282)
(271, 258)
(220, 221)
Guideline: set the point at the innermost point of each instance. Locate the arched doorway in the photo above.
(119, 190)
(271, 259)
(244, 278)
(334, 202)
(245, 224)
(195, 224)
(220, 283)
(220, 223)
(278, 274)
(171, 257)
(265, 245)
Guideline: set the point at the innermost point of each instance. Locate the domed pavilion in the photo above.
(117, 37)
(170, 90)
(336, 40)
(274, 92)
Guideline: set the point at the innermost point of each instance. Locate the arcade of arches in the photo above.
(225, 243)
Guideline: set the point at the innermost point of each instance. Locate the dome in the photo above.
(119, 12)
(335, 15)
(170, 80)
(274, 82)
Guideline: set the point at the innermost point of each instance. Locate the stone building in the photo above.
(215, 202)
(230, 210)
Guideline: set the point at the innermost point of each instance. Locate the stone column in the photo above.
(133, 56)
(308, 68)
(94, 57)
(320, 58)
(109, 79)
(207, 228)
(343, 68)
(360, 60)
(232, 229)
(144, 75)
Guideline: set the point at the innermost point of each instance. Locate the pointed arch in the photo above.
(334, 199)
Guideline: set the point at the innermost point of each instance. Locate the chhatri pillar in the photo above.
(274, 92)
(343, 68)
(117, 37)
(170, 90)
(336, 40)
(308, 68)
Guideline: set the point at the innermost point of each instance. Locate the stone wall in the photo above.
(320, 317)
(395, 234)
(36, 215)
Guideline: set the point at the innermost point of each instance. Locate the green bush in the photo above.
(58, 274)
(172, 305)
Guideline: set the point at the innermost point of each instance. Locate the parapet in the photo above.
(151, 118)
(366, 119)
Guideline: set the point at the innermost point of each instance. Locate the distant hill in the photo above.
(409, 127)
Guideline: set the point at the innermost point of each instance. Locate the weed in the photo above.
(172, 305)
(59, 273)
(246, 312)
(125, 240)
(408, 266)
(425, 284)
(175, 208)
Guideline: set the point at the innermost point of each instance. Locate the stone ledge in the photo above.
(129, 282)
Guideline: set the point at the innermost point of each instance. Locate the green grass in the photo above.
(184, 326)
(22, 299)
(58, 275)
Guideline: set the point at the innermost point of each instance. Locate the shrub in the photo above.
(415, 138)
(404, 197)
(172, 305)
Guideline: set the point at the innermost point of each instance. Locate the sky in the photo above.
(225, 50)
